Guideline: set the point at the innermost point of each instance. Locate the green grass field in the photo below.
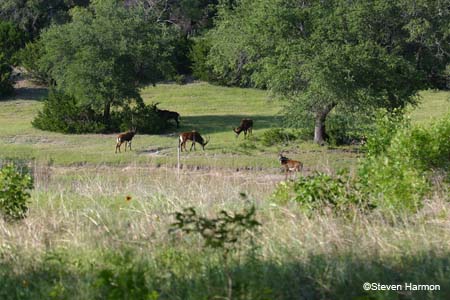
(83, 239)
(211, 110)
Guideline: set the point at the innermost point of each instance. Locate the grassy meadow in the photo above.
(98, 221)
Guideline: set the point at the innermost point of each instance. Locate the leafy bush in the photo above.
(275, 136)
(386, 126)
(62, 113)
(224, 232)
(427, 147)
(143, 117)
(392, 183)
(14, 192)
(29, 58)
(343, 128)
(319, 191)
(394, 175)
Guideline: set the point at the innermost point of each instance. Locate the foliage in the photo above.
(11, 40)
(6, 87)
(352, 55)
(275, 136)
(394, 174)
(319, 191)
(29, 59)
(33, 16)
(428, 147)
(224, 232)
(62, 113)
(114, 49)
(347, 128)
(124, 278)
(14, 192)
(142, 117)
(387, 124)
(198, 55)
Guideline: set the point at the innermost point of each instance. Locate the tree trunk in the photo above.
(319, 128)
(107, 114)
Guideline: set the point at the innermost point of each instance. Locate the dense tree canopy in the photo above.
(34, 15)
(11, 39)
(105, 53)
(354, 55)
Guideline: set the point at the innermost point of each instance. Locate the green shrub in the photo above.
(344, 128)
(400, 158)
(392, 183)
(143, 117)
(61, 113)
(180, 79)
(29, 59)
(319, 191)
(14, 192)
(276, 136)
(386, 126)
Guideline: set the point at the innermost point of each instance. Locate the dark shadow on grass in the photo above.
(122, 275)
(208, 124)
(27, 93)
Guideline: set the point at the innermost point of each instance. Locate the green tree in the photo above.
(350, 55)
(34, 15)
(105, 53)
(11, 40)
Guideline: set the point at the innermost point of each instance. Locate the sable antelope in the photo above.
(193, 136)
(126, 138)
(290, 165)
(167, 115)
(246, 125)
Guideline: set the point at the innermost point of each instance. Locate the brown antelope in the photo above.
(126, 138)
(193, 136)
(290, 165)
(167, 114)
(246, 125)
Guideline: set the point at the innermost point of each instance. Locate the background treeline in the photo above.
(332, 62)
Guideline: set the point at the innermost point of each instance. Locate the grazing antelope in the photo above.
(167, 115)
(246, 125)
(193, 136)
(290, 165)
(126, 138)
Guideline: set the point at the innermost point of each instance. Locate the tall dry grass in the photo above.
(85, 211)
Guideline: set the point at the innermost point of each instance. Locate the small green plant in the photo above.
(319, 191)
(226, 232)
(180, 79)
(14, 192)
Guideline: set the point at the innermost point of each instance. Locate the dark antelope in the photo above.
(126, 138)
(168, 115)
(193, 136)
(290, 165)
(246, 125)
